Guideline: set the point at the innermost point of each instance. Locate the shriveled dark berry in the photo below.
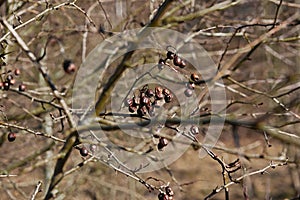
(149, 93)
(144, 100)
(169, 191)
(195, 77)
(162, 143)
(183, 64)
(11, 137)
(166, 91)
(17, 72)
(158, 93)
(69, 66)
(84, 152)
(168, 98)
(194, 130)
(170, 55)
(142, 111)
(177, 61)
(9, 77)
(188, 92)
(6, 86)
(22, 87)
(132, 108)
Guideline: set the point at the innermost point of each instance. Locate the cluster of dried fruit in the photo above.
(9, 80)
(167, 195)
(146, 100)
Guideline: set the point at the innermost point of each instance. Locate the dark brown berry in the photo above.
(183, 64)
(149, 93)
(158, 93)
(69, 66)
(145, 100)
(169, 191)
(194, 130)
(142, 111)
(195, 77)
(132, 108)
(188, 92)
(162, 196)
(6, 86)
(162, 143)
(11, 137)
(170, 55)
(166, 91)
(168, 98)
(84, 152)
(177, 61)
(22, 87)
(17, 72)
(9, 77)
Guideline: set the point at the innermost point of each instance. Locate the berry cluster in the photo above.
(147, 99)
(177, 61)
(9, 80)
(167, 195)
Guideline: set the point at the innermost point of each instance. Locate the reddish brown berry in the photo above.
(84, 152)
(149, 93)
(166, 91)
(177, 61)
(17, 71)
(128, 102)
(158, 93)
(195, 77)
(188, 92)
(22, 87)
(132, 108)
(145, 100)
(69, 66)
(142, 111)
(11, 137)
(183, 64)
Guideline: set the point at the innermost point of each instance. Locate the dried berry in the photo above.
(162, 143)
(188, 92)
(17, 72)
(166, 91)
(169, 191)
(22, 87)
(84, 152)
(11, 137)
(177, 61)
(69, 66)
(170, 55)
(158, 93)
(132, 108)
(6, 86)
(162, 196)
(194, 130)
(149, 93)
(145, 100)
(142, 111)
(195, 77)
(183, 64)
(168, 98)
